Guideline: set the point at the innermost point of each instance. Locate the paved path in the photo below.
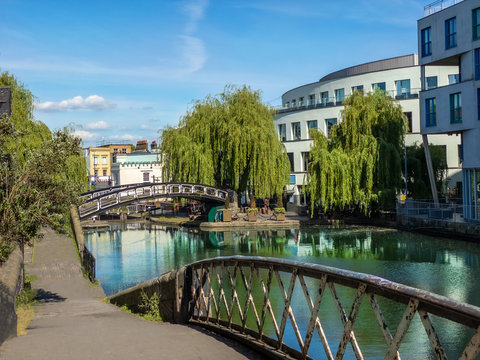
(71, 321)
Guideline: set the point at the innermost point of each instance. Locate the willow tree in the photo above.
(361, 162)
(228, 140)
(41, 172)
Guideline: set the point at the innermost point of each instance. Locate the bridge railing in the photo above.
(287, 308)
(105, 199)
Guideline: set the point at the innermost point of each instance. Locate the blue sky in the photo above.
(123, 70)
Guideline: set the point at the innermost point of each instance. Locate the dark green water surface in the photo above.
(137, 252)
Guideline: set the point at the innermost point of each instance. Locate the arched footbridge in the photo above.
(99, 201)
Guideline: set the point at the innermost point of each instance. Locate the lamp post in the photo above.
(405, 173)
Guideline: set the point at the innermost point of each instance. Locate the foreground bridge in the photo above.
(99, 201)
(290, 309)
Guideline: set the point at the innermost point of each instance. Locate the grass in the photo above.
(24, 305)
(150, 306)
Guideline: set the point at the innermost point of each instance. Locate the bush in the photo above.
(6, 247)
(151, 306)
(279, 210)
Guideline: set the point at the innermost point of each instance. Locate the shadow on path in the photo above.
(45, 296)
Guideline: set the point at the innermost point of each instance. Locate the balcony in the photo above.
(438, 5)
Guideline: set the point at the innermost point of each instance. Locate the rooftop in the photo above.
(438, 5)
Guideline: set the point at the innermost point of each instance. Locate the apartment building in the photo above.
(318, 105)
(449, 37)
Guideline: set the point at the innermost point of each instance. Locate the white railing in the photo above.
(438, 6)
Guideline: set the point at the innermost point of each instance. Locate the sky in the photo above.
(121, 71)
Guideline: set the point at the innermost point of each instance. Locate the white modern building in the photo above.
(136, 168)
(449, 37)
(318, 105)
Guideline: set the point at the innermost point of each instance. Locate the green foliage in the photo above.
(417, 172)
(227, 141)
(151, 306)
(6, 247)
(279, 210)
(361, 163)
(41, 173)
(27, 295)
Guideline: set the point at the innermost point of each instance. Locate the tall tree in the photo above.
(361, 163)
(230, 141)
(41, 172)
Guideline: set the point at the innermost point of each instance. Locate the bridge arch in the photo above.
(99, 201)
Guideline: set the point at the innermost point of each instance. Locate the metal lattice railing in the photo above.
(258, 300)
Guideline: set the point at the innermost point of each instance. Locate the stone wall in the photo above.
(77, 228)
(11, 283)
(169, 287)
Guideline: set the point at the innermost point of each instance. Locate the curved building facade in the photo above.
(318, 105)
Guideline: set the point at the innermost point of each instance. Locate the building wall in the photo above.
(103, 162)
(136, 168)
(288, 115)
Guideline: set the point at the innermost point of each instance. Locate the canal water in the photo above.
(130, 254)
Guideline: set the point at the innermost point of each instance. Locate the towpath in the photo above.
(71, 321)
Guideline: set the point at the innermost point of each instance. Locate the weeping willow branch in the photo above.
(227, 141)
(361, 163)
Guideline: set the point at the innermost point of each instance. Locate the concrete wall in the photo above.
(169, 287)
(77, 228)
(11, 283)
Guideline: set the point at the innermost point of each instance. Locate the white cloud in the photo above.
(193, 53)
(92, 102)
(127, 137)
(195, 10)
(85, 135)
(98, 125)
(147, 127)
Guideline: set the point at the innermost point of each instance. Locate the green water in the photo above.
(138, 252)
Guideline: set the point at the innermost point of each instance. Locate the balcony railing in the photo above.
(438, 6)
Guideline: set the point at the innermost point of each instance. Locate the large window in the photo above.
(300, 101)
(455, 108)
(380, 86)
(124, 150)
(408, 115)
(292, 165)
(305, 160)
(324, 97)
(104, 172)
(339, 95)
(430, 112)
(476, 53)
(357, 88)
(104, 160)
(311, 125)
(403, 87)
(296, 131)
(311, 99)
(95, 160)
(328, 125)
(431, 82)
(426, 42)
(453, 79)
(450, 33)
(476, 24)
(146, 177)
(282, 132)
(294, 103)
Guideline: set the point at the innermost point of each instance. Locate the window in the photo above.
(311, 125)
(453, 79)
(282, 132)
(104, 160)
(476, 24)
(403, 87)
(329, 123)
(357, 88)
(380, 86)
(287, 104)
(408, 115)
(124, 150)
(292, 179)
(431, 82)
(455, 108)
(95, 160)
(339, 95)
(478, 103)
(296, 131)
(96, 172)
(305, 160)
(476, 55)
(324, 97)
(115, 150)
(426, 42)
(460, 154)
(104, 172)
(311, 99)
(300, 102)
(146, 177)
(450, 33)
(294, 103)
(430, 112)
(290, 157)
